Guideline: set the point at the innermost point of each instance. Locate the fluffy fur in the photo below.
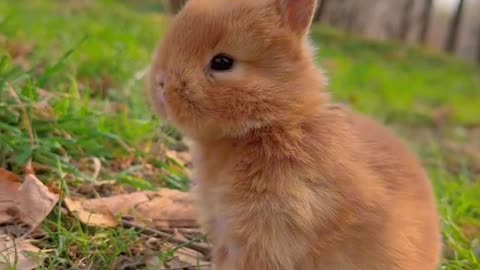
(285, 180)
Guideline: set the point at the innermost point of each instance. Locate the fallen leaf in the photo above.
(90, 217)
(18, 254)
(169, 209)
(35, 201)
(8, 176)
(164, 209)
(29, 202)
(9, 184)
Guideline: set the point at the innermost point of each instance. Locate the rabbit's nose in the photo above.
(161, 79)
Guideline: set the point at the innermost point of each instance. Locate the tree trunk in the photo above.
(337, 15)
(320, 10)
(453, 31)
(352, 18)
(478, 46)
(425, 24)
(405, 24)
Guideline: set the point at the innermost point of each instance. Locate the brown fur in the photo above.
(285, 180)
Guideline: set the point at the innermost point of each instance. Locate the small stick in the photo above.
(202, 248)
(193, 267)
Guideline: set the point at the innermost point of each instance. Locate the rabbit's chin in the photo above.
(216, 130)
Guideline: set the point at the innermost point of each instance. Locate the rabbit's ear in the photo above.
(298, 14)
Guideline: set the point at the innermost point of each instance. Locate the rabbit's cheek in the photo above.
(172, 104)
(161, 110)
(159, 97)
(168, 101)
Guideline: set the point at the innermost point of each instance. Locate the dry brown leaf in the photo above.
(35, 201)
(8, 176)
(165, 209)
(18, 254)
(92, 218)
(9, 184)
(169, 209)
(29, 202)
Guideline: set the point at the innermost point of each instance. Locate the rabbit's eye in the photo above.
(221, 62)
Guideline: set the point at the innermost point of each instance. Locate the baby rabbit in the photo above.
(286, 180)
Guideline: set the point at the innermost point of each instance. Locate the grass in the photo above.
(71, 91)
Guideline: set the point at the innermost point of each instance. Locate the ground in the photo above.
(77, 66)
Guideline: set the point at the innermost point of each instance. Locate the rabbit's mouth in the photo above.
(158, 100)
(179, 108)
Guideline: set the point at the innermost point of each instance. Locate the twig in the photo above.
(193, 267)
(202, 248)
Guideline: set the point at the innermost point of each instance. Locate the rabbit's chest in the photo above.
(213, 192)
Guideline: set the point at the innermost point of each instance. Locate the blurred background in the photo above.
(73, 110)
(452, 26)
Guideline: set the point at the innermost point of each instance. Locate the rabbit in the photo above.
(285, 179)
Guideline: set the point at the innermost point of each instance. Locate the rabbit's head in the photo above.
(227, 67)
